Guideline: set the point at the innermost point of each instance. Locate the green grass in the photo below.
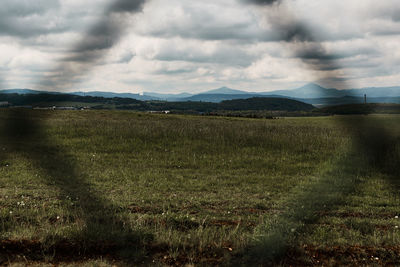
(106, 187)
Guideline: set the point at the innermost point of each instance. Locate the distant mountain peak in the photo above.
(225, 90)
(312, 86)
(167, 95)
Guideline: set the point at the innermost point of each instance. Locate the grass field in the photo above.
(123, 188)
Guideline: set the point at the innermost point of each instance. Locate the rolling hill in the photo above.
(310, 93)
(224, 90)
(255, 103)
(265, 103)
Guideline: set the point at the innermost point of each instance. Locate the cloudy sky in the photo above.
(191, 46)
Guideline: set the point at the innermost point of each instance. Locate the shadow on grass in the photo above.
(105, 232)
(374, 150)
(24, 133)
(374, 146)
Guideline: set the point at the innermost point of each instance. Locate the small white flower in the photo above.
(58, 217)
(10, 212)
(396, 217)
(376, 258)
(396, 226)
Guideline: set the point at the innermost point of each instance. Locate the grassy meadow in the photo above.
(99, 188)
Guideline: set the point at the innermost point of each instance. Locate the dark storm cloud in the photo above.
(293, 32)
(262, 2)
(307, 47)
(122, 6)
(106, 32)
(322, 65)
(175, 71)
(288, 28)
(318, 58)
(316, 51)
(204, 25)
(93, 46)
(241, 32)
(102, 36)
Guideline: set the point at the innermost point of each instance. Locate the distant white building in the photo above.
(66, 108)
(159, 112)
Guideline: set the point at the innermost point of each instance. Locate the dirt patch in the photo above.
(357, 215)
(33, 251)
(346, 255)
(61, 251)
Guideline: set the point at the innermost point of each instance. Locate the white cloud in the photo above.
(185, 45)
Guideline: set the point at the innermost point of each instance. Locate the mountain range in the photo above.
(310, 93)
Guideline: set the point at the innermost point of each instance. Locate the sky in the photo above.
(193, 46)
